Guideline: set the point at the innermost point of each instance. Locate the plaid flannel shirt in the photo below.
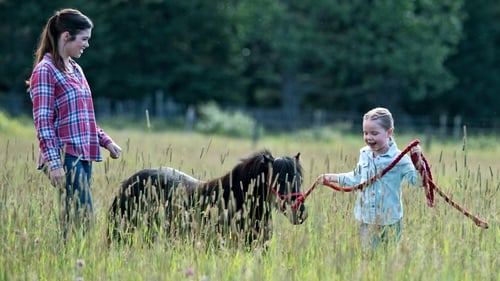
(63, 114)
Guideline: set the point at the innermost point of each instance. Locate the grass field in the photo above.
(438, 243)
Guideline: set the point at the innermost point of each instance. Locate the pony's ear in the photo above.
(268, 158)
(297, 157)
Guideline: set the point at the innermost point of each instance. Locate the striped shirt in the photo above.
(380, 202)
(63, 114)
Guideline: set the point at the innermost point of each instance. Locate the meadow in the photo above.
(438, 243)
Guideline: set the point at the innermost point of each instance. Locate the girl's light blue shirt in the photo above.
(380, 202)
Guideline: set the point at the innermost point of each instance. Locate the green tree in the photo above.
(384, 52)
(341, 55)
(255, 34)
(348, 55)
(477, 65)
(21, 23)
(179, 47)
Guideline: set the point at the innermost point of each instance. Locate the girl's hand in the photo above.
(416, 156)
(114, 150)
(330, 177)
(416, 149)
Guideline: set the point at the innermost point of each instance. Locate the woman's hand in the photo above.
(114, 150)
(57, 177)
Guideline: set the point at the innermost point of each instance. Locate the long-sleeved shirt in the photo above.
(63, 114)
(380, 202)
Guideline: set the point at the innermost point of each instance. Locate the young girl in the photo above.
(378, 206)
(63, 113)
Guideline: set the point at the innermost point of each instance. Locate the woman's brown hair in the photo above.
(70, 20)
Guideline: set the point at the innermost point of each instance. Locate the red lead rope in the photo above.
(422, 167)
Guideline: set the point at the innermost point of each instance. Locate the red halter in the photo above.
(271, 187)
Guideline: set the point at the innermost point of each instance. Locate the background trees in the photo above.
(417, 57)
(476, 65)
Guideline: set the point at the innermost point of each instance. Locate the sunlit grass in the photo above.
(438, 243)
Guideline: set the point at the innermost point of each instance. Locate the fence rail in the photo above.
(162, 108)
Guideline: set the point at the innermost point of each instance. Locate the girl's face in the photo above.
(74, 48)
(376, 137)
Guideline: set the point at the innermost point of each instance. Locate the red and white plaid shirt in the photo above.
(63, 114)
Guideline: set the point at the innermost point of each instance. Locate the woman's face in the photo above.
(375, 136)
(74, 48)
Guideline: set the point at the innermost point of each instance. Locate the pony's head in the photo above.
(276, 178)
(287, 184)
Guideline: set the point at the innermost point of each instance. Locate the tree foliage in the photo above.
(345, 55)
(476, 65)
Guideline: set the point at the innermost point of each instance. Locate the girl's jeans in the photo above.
(372, 235)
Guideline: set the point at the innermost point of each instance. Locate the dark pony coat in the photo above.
(237, 205)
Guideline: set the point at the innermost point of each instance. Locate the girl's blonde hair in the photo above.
(383, 116)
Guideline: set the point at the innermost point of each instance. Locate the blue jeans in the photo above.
(77, 196)
(372, 235)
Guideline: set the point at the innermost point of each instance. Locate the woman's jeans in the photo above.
(76, 197)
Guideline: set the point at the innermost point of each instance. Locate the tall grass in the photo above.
(438, 243)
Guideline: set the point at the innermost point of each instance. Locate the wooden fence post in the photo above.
(443, 120)
(457, 126)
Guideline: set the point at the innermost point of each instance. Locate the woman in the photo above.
(63, 113)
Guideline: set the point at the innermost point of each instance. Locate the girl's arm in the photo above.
(331, 177)
(347, 179)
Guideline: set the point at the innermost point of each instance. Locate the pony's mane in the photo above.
(247, 169)
(252, 164)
